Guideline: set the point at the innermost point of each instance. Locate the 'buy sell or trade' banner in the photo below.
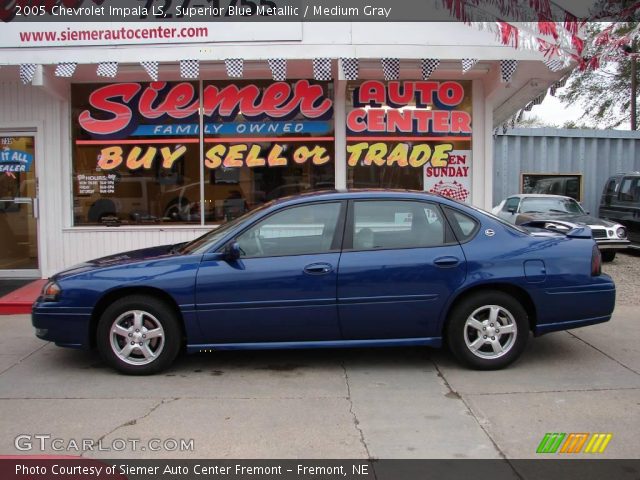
(425, 125)
(153, 125)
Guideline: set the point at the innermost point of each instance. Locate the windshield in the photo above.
(204, 243)
(552, 205)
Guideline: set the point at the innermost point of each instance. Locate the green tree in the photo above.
(603, 88)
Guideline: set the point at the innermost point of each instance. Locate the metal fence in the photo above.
(596, 154)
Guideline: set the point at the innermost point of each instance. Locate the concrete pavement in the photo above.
(378, 403)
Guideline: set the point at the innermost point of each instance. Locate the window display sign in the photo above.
(14, 156)
(452, 180)
(137, 147)
(410, 134)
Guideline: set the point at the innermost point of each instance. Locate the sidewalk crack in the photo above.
(356, 422)
(603, 353)
(133, 421)
(454, 394)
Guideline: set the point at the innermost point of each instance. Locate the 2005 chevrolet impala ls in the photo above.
(333, 269)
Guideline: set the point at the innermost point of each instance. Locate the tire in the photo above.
(467, 342)
(154, 315)
(608, 255)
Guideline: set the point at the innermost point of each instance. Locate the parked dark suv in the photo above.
(620, 202)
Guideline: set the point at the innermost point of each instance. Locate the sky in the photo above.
(554, 112)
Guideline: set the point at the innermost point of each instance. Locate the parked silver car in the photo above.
(562, 213)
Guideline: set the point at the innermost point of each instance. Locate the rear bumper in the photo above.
(555, 327)
(589, 304)
(66, 327)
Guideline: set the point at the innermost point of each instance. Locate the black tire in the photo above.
(164, 347)
(487, 357)
(608, 255)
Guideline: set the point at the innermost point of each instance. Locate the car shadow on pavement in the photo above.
(548, 349)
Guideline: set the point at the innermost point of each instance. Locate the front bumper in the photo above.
(606, 244)
(65, 326)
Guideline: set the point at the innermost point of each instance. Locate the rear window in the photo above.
(464, 226)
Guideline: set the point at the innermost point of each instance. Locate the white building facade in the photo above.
(97, 164)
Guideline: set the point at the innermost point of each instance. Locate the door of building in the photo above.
(18, 206)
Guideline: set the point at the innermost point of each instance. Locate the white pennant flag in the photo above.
(151, 67)
(27, 71)
(390, 68)
(429, 66)
(507, 70)
(349, 68)
(107, 69)
(189, 68)
(468, 63)
(322, 69)
(65, 69)
(235, 67)
(278, 68)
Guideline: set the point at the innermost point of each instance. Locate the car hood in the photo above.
(566, 217)
(120, 259)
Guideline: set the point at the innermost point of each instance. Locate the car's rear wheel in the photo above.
(139, 335)
(488, 330)
(608, 255)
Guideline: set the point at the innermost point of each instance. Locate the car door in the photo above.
(283, 286)
(399, 265)
(628, 207)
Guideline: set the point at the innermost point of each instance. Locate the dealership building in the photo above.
(143, 135)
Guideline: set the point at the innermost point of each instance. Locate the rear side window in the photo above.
(397, 224)
(464, 226)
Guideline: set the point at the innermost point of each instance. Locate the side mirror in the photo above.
(512, 210)
(232, 251)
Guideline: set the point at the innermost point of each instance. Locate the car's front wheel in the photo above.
(488, 330)
(139, 335)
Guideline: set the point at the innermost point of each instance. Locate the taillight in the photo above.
(596, 262)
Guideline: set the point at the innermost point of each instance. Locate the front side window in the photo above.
(308, 229)
(511, 205)
(397, 224)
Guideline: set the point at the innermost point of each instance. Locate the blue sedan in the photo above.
(333, 269)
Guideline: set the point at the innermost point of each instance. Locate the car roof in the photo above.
(538, 195)
(354, 193)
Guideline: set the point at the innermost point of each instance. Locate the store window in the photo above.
(276, 141)
(136, 157)
(410, 135)
(136, 153)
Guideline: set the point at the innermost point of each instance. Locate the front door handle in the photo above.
(318, 269)
(446, 262)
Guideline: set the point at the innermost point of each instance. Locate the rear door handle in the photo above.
(446, 262)
(318, 269)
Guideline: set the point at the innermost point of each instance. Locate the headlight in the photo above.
(621, 232)
(50, 292)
